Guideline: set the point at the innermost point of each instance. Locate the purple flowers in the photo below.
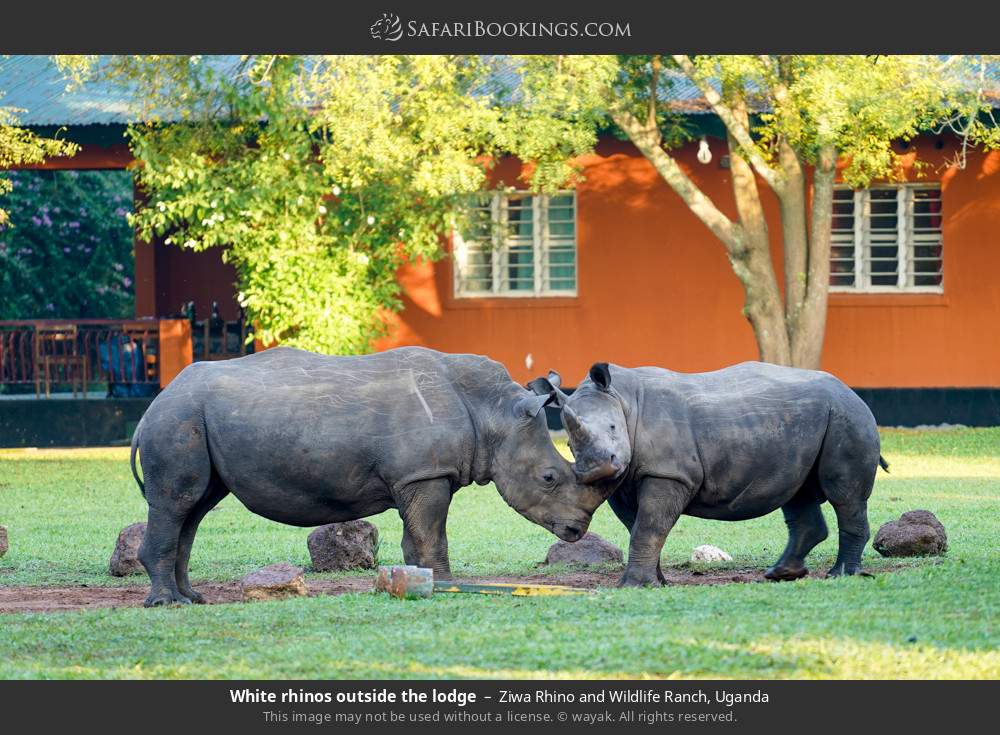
(71, 230)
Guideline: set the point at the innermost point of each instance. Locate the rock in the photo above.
(709, 553)
(3, 541)
(274, 582)
(591, 550)
(916, 533)
(340, 546)
(125, 557)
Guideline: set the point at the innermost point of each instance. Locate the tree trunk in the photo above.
(753, 266)
(788, 331)
(794, 230)
(807, 339)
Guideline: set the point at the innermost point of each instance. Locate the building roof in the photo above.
(38, 88)
(43, 96)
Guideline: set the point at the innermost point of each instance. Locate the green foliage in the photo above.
(321, 176)
(859, 104)
(66, 251)
(934, 618)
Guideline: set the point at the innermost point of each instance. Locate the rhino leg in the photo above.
(423, 506)
(216, 492)
(847, 466)
(660, 503)
(158, 554)
(806, 528)
(624, 505)
(177, 473)
(852, 520)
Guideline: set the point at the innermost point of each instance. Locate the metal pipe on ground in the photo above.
(411, 582)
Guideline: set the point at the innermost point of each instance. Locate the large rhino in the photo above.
(732, 444)
(309, 439)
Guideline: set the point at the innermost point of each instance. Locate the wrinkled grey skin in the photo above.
(310, 439)
(732, 444)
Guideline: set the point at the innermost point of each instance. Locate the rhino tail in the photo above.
(882, 463)
(135, 447)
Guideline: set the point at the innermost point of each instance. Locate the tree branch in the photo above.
(647, 140)
(740, 133)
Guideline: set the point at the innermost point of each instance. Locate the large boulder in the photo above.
(916, 533)
(706, 553)
(337, 547)
(275, 582)
(125, 557)
(591, 550)
(3, 541)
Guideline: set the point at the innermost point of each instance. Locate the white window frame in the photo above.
(542, 244)
(906, 240)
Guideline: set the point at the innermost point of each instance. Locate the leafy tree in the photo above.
(320, 176)
(789, 120)
(68, 250)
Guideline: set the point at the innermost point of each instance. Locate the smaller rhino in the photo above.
(733, 444)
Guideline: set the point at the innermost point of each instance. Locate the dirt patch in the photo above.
(60, 599)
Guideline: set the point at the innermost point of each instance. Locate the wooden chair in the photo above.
(56, 346)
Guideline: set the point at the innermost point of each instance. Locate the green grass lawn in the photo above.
(932, 619)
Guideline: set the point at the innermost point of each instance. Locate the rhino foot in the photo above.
(196, 597)
(846, 570)
(633, 578)
(782, 573)
(162, 599)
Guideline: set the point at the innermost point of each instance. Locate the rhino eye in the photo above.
(548, 478)
(612, 427)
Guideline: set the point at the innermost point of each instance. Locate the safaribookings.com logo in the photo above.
(387, 28)
(390, 28)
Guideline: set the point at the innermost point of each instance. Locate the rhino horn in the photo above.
(571, 421)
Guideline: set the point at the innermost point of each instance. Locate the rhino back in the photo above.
(754, 429)
(289, 416)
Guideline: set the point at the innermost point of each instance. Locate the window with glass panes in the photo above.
(517, 244)
(887, 238)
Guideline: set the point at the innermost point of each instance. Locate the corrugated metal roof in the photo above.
(36, 85)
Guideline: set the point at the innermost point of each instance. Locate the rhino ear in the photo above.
(600, 373)
(529, 406)
(549, 387)
(541, 386)
(555, 378)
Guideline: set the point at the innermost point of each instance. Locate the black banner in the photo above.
(516, 26)
(532, 706)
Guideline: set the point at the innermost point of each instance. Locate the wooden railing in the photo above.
(53, 355)
(125, 357)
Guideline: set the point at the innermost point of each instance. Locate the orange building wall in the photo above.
(655, 288)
